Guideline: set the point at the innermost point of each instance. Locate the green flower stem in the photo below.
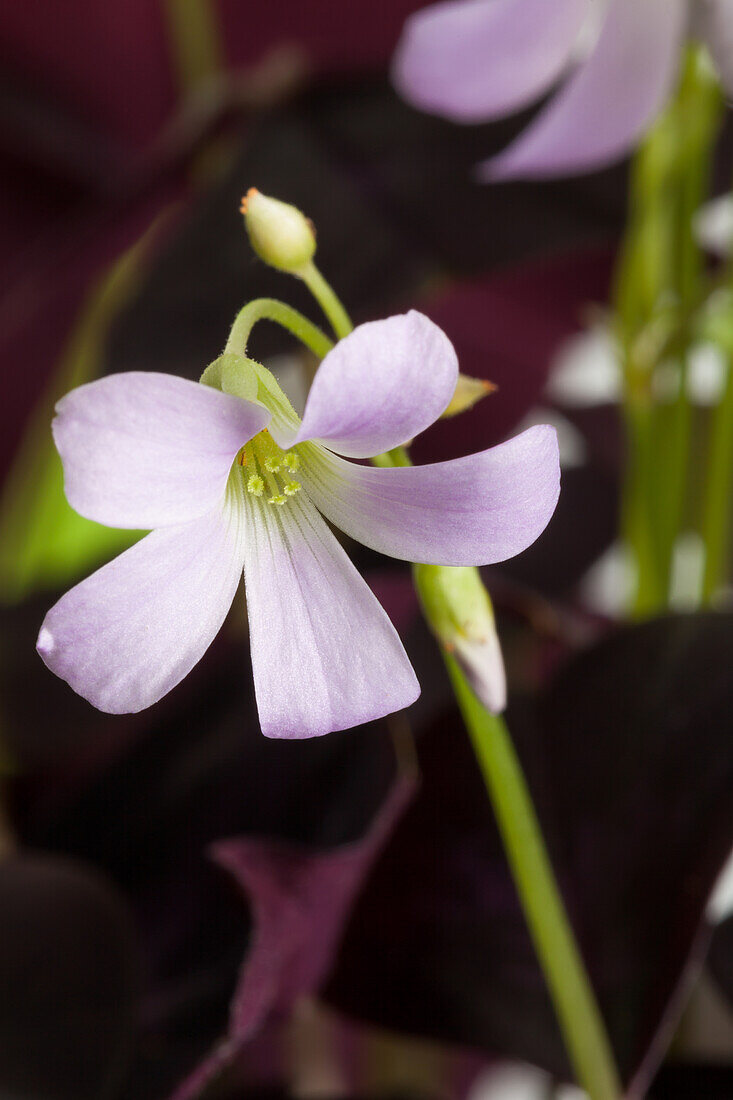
(270, 309)
(635, 520)
(718, 492)
(577, 1011)
(328, 301)
(669, 470)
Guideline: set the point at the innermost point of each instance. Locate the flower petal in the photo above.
(607, 104)
(325, 655)
(474, 60)
(470, 511)
(380, 386)
(149, 450)
(129, 633)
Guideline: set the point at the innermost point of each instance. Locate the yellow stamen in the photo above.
(266, 463)
(255, 485)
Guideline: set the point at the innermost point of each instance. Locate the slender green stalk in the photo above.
(696, 115)
(270, 309)
(577, 1012)
(669, 471)
(718, 492)
(635, 520)
(575, 1004)
(196, 41)
(327, 300)
(640, 274)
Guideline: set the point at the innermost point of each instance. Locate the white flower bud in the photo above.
(279, 233)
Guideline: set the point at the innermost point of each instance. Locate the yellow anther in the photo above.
(255, 485)
(265, 472)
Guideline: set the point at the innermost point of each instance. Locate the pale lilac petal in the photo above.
(130, 632)
(713, 23)
(469, 511)
(479, 59)
(325, 655)
(606, 106)
(147, 450)
(379, 387)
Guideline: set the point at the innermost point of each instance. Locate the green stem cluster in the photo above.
(577, 1011)
(659, 288)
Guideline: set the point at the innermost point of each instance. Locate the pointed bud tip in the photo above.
(279, 233)
(246, 199)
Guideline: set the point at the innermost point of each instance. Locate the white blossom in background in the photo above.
(516, 1081)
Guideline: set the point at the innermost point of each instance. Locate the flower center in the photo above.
(266, 468)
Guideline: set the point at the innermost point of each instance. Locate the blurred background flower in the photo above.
(472, 60)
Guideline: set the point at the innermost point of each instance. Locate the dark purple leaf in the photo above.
(630, 758)
(69, 980)
(720, 958)
(584, 524)
(299, 901)
(506, 328)
(377, 243)
(197, 770)
(678, 1081)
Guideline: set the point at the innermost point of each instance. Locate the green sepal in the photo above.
(238, 376)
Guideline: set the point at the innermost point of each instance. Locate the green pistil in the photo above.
(263, 463)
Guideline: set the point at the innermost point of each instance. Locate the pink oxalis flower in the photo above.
(235, 481)
(475, 60)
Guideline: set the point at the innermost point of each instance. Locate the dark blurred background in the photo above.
(128, 133)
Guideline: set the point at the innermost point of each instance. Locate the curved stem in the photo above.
(575, 1004)
(270, 309)
(328, 301)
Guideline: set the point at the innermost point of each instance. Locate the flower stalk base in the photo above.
(575, 1004)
